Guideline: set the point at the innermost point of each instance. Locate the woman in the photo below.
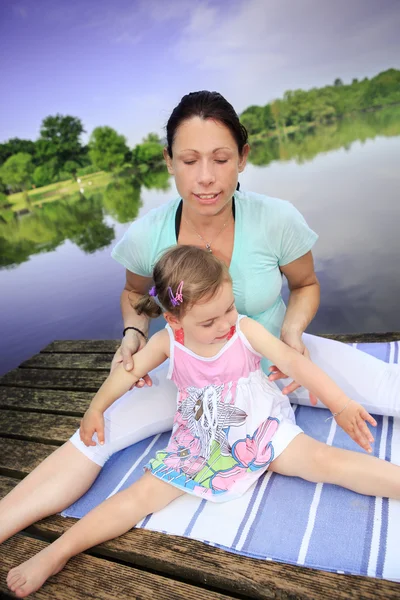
(260, 239)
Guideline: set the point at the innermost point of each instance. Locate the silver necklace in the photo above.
(208, 244)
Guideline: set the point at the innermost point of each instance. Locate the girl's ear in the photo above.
(172, 321)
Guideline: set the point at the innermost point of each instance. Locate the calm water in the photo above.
(344, 179)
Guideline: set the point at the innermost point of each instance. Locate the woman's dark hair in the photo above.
(202, 275)
(206, 105)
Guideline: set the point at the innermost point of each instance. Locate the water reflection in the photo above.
(79, 218)
(305, 144)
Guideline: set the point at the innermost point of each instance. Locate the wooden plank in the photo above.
(201, 564)
(67, 379)
(37, 400)
(84, 346)
(90, 577)
(69, 361)
(110, 346)
(18, 458)
(352, 338)
(39, 427)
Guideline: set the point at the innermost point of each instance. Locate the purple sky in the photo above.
(127, 63)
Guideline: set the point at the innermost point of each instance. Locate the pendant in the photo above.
(208, 247)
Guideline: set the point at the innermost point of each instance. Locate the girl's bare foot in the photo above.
(31, 575)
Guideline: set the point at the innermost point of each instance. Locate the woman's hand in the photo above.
(92, 422)
(352, 420)
(131, 343)
(292, 339)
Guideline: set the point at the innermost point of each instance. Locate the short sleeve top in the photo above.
(269, 233)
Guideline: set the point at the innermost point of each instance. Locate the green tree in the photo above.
(60, 140)
(149, 153)
(108, 149)
(71, 167)
(338, 82)
(152, 137)
(14, 146)
(45, 174)
(3, 200)
(17, 171)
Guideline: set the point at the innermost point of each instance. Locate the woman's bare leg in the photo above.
(56, 483)
(110, 519)
(314, 461)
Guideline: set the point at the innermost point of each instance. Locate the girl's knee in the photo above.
(325, 462)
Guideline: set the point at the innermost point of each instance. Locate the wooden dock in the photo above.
(41, 404)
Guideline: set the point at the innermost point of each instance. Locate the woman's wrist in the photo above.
(136, 330)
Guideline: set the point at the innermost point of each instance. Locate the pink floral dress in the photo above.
(230, 423)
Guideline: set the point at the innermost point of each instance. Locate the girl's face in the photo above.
(205, 164)
(210, 322)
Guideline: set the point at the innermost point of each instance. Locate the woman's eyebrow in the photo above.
(213, 151)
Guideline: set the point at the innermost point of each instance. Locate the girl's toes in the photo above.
(15, 580)
(21, 592)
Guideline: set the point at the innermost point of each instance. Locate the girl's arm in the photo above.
(352, 415)
(120, 381)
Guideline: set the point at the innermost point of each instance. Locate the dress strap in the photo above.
(171, 351)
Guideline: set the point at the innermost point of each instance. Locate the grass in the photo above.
(55, 191)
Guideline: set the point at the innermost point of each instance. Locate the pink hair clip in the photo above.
(178, 298)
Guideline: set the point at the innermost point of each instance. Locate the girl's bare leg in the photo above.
(110, 519)
(56, 483)
(314, 461)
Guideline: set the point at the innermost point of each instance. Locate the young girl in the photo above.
(231, 422)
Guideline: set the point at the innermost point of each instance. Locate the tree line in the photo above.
(58, 154)
(300, 108)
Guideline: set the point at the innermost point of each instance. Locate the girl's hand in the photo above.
(353, 421)
(292, 339)
(131, 343)
(92, 422)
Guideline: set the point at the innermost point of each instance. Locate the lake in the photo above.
(58, 280)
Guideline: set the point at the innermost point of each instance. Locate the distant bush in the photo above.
(86, 171)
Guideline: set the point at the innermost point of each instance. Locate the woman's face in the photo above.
(205, 164)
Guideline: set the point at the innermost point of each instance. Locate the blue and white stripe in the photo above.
(281, 518)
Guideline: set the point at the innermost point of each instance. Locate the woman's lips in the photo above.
(208, 200)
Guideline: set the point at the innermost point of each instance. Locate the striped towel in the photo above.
(281, 518)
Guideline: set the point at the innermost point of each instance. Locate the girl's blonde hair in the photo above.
(202, 275)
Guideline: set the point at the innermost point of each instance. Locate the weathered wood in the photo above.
(353, 338)
(18, 458)
(38, 427)
(55, 360)
(59, 379)
(84, 346)
(53, 401)
(90, 577)
(110, 346)
(193, 561)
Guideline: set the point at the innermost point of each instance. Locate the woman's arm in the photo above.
(135, 287)
(302, 307)
(313, 378)
(304, 296)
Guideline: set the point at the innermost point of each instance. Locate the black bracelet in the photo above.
(136, 329)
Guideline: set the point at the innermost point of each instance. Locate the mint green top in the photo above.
(269, 233)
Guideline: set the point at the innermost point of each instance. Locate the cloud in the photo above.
(260, 49)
